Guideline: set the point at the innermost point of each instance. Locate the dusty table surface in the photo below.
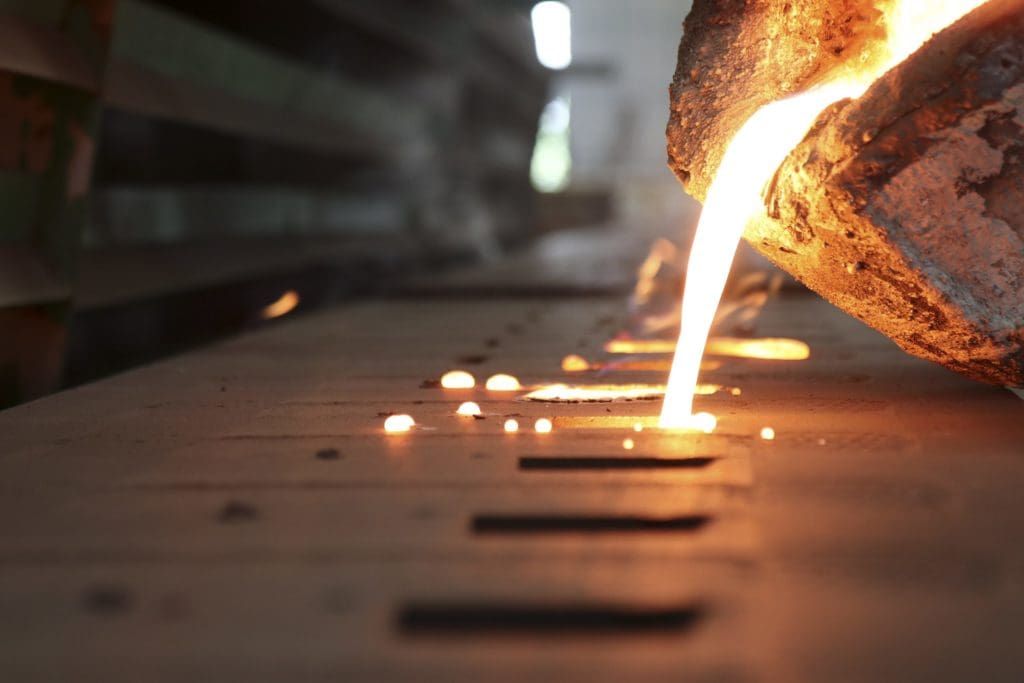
(239, 514)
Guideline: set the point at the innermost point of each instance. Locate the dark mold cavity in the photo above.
(611, 463)
(497, 618)
(584, 524)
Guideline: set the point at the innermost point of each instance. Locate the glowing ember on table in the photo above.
(398, 424)
(503, 382)
(511, 426)
(543, 426)
(458, 379)
(628, 444)
(284, 305)
(752, 157)
(574, 363)
(767, 433)
(469, 409)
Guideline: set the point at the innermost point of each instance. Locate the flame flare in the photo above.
(754, 154)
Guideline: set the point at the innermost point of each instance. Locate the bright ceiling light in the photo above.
(552, 32)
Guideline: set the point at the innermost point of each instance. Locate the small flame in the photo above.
(754, 154)
(469, 409)
(284, 305)
(502, 382)
(767, 433)
(543, 426)
(399, 424)
(457, 379)
(574, 363)
(638, 427)
(511, 426)
(628, 444)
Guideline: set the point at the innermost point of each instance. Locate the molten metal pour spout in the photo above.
(755, 153)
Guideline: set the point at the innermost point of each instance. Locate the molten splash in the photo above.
(543, 426)
(754, 154)
(766, 348)
(604, 393)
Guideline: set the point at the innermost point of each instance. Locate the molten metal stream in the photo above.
(754, 154)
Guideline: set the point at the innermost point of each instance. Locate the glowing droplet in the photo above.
(705, 422)
(469, 409)
(735, 391)
(458, 379)
(638, 427)
(574, 363)
(543, 426)
(397, 424)
(822, 442)
(284, 305)
(767, 433)
(511, 426)
(503, 382)
(628, 444)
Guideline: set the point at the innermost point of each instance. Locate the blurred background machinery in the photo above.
(168, 168)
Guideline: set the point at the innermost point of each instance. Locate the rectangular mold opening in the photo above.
(584, 463)
(496, 618)
(585, 524)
